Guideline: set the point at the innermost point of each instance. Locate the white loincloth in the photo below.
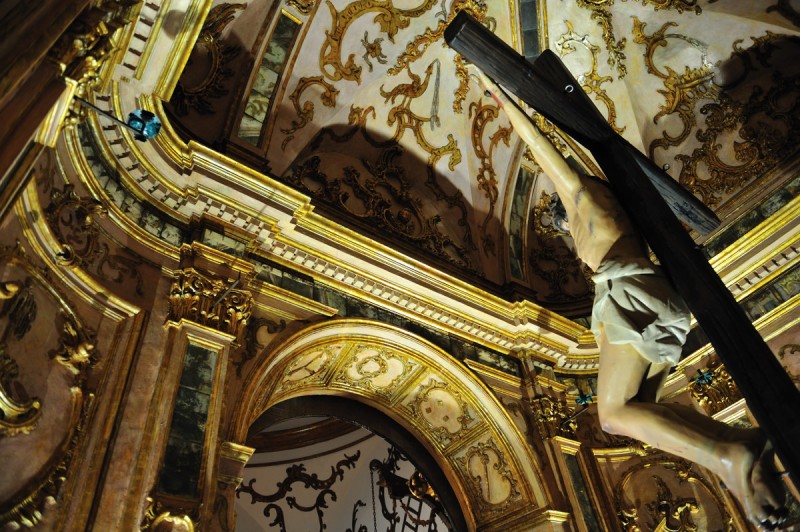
(637, 305)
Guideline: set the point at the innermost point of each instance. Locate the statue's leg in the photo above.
(626, 383)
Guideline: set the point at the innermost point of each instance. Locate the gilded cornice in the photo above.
(183, 179)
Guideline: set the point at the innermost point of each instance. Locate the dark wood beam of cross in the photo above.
(549, 88)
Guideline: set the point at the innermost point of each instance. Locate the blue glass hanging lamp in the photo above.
(144, 124)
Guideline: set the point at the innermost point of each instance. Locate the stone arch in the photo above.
(429, 393)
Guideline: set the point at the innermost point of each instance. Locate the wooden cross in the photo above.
(548, 87)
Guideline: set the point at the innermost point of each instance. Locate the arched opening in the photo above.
(369, 470)
(429, 394)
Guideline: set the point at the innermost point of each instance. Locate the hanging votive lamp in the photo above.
(145, 124)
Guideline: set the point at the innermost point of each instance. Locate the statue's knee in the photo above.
(610, 420)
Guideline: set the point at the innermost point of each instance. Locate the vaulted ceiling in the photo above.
(363, 106)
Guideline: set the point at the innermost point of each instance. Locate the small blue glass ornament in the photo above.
(145, 124)
(704, 378)
(584, 399)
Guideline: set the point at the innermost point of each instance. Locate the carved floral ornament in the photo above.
(210, 301)
(27, 295)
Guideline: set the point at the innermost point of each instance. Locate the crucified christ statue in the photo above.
(641, 324)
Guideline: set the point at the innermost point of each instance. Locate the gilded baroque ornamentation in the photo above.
(213, 85)
(76, 349)
(551, 417)
(418, 45)
(714, 389)
(211, 302)
(373, 49)
(306, 111)
(487, 179)
(590, 81)
(158, 517)
(442, 410)
(303, 6)
(29, 506)
(567, 277)
(390, 19)
(72, 220)
(492, 482)
(672, 513)
(253, 346)
(616, 55)
(666, 506)
(18, 413)
(385, 200)
(309, 366)
(87, 44)
(681, 91)
(376, 369)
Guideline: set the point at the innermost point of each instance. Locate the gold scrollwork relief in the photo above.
(615, 48)
(487, 179)
(253, 346)
(390, 19)
(219, 54)
(20, 414)
(443, 410)
(303, 6)
(714, 389)
(681, 91)
(308, 367)
(674, 511)
(590, 81)
(385, 199)
(305, 112)
(419, 44)
(376, 369)
(72, 220)
(210, 301)
(551, 417)
(160, 518)
(492, 482)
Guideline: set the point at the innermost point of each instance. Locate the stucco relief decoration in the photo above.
(257, 330)
(714, 389)
(615, 48)
(566, 277)
(19, 412)
(382, 195)
(789, 355)
(590, 81)
(44, 395)
(746, 119)
(310, 367)
(214, 54)
(210, 301)
(492, 482)
(442, 410)
(482, 115)
(376, 369)
(661, 492)
(73, 222)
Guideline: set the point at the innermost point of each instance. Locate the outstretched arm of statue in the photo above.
(565, 178)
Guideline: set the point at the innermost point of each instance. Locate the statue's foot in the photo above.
(751, 476)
